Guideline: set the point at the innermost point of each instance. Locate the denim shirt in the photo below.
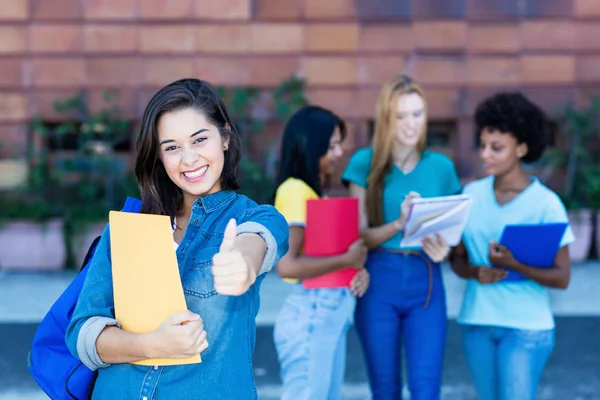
(230, 321)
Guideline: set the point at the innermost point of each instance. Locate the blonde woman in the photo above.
(406, 296)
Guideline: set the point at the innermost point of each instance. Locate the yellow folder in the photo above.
(146, 284)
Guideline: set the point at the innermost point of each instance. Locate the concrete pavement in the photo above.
(573, 371)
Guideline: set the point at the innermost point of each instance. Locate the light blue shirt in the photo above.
(512, 304)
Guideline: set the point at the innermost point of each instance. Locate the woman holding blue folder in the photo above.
(507, 325)
(310, 331)
(406, 299)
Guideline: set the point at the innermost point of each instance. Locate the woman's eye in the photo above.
(199, 140)
(170, 148)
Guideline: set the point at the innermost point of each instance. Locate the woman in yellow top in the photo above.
(310, 331)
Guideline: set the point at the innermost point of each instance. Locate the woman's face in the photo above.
(410, 119)
(500, 152)
(192, 151)
(328, 162)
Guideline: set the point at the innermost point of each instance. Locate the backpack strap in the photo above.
(132, 205)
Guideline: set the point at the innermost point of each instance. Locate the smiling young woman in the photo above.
(406, 299)
(186, 167)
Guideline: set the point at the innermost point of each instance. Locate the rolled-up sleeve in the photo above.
(269, 224)
(94, 309)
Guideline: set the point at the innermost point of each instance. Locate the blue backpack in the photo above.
(57, 372)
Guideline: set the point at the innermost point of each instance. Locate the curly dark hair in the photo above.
(515, 114)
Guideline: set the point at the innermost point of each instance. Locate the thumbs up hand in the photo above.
(231, 270)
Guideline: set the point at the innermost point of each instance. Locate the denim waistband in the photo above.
(422, 256)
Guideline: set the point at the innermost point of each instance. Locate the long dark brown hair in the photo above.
(159, 194)
(383, 140)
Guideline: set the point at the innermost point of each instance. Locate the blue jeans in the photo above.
(506, 364)
(310, 339)
(394, 308)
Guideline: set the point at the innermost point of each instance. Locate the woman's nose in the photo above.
(189, 156)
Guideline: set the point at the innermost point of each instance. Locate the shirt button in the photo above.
(156, 367)
(144, 398)
(195, 221)
(183, 249)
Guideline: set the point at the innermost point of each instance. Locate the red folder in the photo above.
(332, 225)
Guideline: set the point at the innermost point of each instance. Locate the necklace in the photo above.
(405, 166)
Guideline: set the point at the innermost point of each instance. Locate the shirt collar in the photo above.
(214, 201)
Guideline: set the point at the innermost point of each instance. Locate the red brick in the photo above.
(587, 8)
(493, 9)
(223, 38)
(14, 39)
(438, 9)
(375, 70)
(55, 38)
(547, 35)
(548, 8)
(143, 98)
(367, 98)
(59, 72)
(46, 10)
(588, 69)
(259, 71)
(437, 70)
(110, 38)
(493, 70)
(125, 100)
(166, 9)
(114, 72)
(587, 34)
(440, 35)
(475, 95)
(13, 107)
(330, 70)
(109, 9)
(290, 10)
(160, 71)
(12, 72)
(369, 11)
(443, 103)
(550, 99)
(269, 72)
(223, 9)
(386, 37)
(330, 9)
(14, 10)
(332, 37)
(340, 101)
(548, 69)
(167, 39)
(14, 140)
(494, 38)
(277, 38)
(43, 103)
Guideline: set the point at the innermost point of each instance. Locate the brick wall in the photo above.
(460, 50)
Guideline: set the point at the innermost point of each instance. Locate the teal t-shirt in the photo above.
(511, 304)
(433, 176)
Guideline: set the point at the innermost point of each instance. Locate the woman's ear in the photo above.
(226, 143)
(522, 150)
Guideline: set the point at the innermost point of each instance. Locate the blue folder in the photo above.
(533, 245)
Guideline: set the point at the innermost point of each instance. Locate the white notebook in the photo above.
(445, 215)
